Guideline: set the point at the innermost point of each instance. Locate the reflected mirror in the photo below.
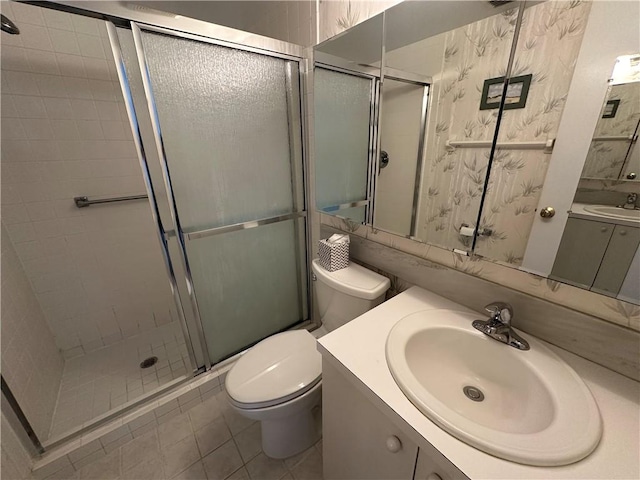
(613, 153)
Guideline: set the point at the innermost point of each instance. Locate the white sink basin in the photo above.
(615, 212)
(536, 410)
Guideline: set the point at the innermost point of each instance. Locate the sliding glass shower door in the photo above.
(228, 132)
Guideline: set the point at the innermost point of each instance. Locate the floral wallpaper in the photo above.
(548, 47)
(453, 179)
(606, 158)
(549, 41)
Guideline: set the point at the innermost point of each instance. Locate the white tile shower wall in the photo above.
(97, 272)
(15, 461)
(31, 363)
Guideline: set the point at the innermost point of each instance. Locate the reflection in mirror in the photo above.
(547, 48)
(402, 129)
(342, 110)
(468, 44)
(613, 153)
(437, 54)
(459, 59)
(599, 250)
(346, 78)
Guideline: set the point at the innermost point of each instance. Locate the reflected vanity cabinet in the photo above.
(595, 255)
(362, 440)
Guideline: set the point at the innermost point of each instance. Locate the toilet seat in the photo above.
(279, 368)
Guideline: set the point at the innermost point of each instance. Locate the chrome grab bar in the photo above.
(82, 202)
(627, 138)
(546, 145)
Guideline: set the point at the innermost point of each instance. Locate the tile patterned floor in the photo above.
(104, 379)
(210, 441)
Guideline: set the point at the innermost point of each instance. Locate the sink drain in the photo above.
(148, 362)
(473, 393)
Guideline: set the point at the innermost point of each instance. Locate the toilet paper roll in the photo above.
(467, 231)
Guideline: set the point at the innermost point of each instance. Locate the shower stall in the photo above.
(154, 217)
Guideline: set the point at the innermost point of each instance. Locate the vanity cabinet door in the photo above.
(617, 259)
(359, 441)
(583, 245)
(432, 465)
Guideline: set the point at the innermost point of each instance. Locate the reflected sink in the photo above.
(525, 406)
(616, 212)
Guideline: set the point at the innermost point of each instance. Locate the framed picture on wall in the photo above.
(610, 108)
(517, 92)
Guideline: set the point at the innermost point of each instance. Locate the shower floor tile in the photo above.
(104, 379)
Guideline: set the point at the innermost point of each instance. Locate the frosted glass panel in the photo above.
(342, 109)
(223, 115)
(247, 284)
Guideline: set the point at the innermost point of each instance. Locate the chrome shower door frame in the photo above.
(144, 166)
(299, 192)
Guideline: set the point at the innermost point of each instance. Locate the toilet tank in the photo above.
(347, 293)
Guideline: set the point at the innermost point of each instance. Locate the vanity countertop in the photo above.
(578, 211)
(359, 347)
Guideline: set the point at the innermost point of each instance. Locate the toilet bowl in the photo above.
(278, 381)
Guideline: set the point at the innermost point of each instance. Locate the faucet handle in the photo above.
(500, 311)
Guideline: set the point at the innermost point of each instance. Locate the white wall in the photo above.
(97, 272)
(31, 363)
(613, 30)
(400, 134)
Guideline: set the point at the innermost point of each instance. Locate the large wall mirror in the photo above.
(459, 158)
(426, 93)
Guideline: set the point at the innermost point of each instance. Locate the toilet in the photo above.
(278, 381)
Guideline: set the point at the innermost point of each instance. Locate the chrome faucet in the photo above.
(498, 326)
(630, 204)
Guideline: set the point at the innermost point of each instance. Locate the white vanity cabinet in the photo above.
(361, 441)
(595, 255)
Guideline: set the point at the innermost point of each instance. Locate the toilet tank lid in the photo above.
(354, 280)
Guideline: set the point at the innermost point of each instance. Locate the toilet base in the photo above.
(291, 427)
(283, 439)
